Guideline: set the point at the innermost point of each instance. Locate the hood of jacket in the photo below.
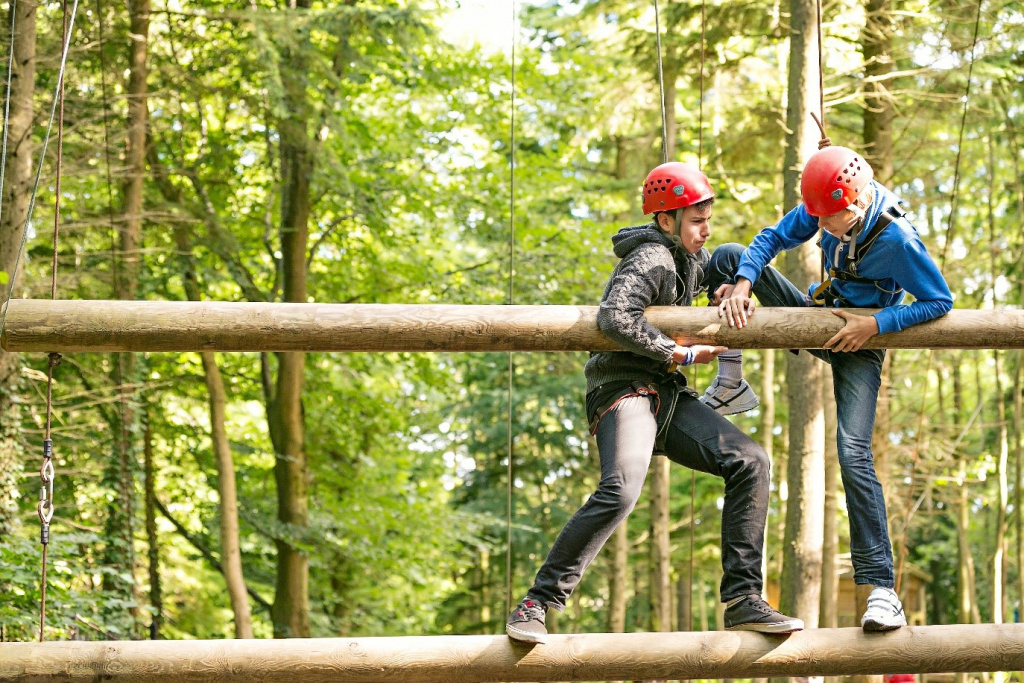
(628, 239)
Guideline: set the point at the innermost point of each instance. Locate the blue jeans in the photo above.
(857, 377)
(697, 437)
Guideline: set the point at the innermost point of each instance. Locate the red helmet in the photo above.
(673, 186)
(833, 179)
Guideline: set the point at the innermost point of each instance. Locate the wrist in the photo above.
(683, 355)
(742, 287)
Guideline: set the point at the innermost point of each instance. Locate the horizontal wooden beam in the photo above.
(68, 326)
(459, 659)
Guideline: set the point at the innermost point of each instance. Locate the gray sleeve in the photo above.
(635, 286)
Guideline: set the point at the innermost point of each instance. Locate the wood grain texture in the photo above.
(456, 659)
(68, 326)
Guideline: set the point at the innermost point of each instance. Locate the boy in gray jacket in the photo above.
(639, 405)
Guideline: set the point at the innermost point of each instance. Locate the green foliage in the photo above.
(411, 202)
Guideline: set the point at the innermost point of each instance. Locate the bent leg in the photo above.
(703, 440)
(625, 441)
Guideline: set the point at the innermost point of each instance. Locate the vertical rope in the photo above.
(661, 85)
(46, 472)
(950, 229)
(700, 123)
(511, 266)
(821, 73)
(7, 105)
(115, 260)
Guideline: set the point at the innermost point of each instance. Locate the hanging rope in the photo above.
(661, 85)
(954, 195)
(511, 266)
(700, 122)
(7, 106)
(46, 472)
(950, 229)
(824, 141)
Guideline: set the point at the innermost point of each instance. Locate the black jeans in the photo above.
(698, 438)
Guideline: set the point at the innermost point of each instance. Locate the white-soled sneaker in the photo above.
(726, 401)
(884, 612)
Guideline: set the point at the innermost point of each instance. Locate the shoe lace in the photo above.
(530, 609)
(760, 605)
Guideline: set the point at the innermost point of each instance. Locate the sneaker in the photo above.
(726, 401)
(884, 612)
(754, 614)
(526, 622)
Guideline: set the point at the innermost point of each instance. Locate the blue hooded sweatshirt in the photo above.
(898, 258)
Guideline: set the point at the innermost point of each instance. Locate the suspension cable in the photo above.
(7, 104)
(954, 195)
(46, 506)
(821, 80)
(511, 266)
(700, 121)
(661, 85)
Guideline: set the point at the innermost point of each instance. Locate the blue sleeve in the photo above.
(914, 270)
(795, 228)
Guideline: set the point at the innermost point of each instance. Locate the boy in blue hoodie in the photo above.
(873, 256)
(637, 404)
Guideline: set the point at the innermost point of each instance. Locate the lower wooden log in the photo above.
(69, 326)
(459, 659)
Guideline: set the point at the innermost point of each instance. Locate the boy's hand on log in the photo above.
(857, 330)
(703, 353)
(721, 294)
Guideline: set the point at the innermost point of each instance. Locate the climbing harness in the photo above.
(825, 294)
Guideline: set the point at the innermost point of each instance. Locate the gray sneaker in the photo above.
(754, 614)
(726, 401)
(884, 612)
(526, 622)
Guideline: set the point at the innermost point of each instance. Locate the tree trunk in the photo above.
(120, 523)
(618, 580)
(767, 440)
(18, 179)
(231, 552)
(879, 111)
(801, 573)
(1018, 456)
(661, 580)
(284, 407)
(152, 540)
(830, 547)
(231, 557)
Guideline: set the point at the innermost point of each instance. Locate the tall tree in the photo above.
(284, 405)
(801, 569)
(15, 199)
(879, 109)
(120, 474)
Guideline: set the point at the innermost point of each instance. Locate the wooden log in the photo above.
(458, 659)
(69, 326)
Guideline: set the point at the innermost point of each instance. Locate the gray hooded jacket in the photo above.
(654, 271)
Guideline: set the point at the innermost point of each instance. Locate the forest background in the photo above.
(358, 151)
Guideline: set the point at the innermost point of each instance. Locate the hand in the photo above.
(738, 306)
(857, 330)
(705, 354)
(721, 294)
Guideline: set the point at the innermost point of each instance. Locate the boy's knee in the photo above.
(755, 463)
(727, 256)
